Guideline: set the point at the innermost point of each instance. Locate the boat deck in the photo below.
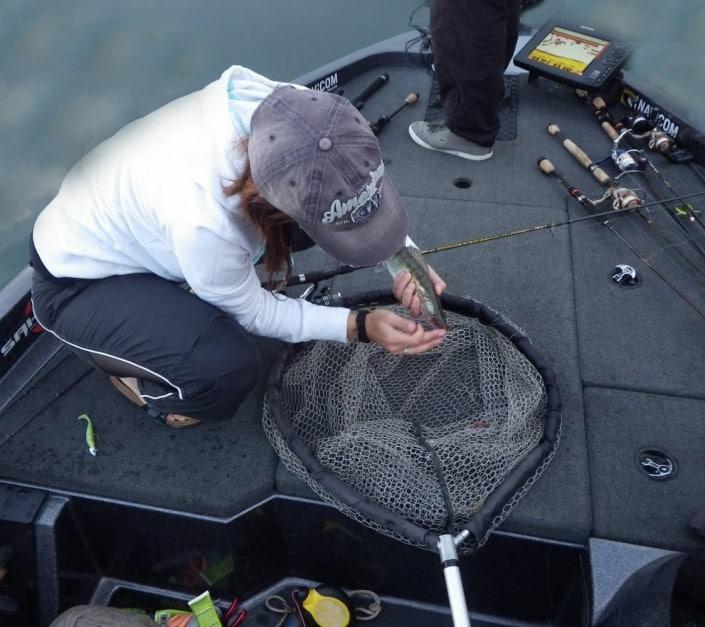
(629, 361)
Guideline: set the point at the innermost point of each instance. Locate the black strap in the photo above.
(361, 329)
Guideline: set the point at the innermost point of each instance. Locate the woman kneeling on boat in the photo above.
(197, 192)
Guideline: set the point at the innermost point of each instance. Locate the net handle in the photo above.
(454, 582)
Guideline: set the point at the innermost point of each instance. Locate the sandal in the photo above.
(175, 421)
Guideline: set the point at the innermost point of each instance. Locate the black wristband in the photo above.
(360, 322)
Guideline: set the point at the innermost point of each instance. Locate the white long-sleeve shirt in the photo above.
(150, 199)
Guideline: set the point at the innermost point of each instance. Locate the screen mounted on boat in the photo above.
(567, 50)
(574, 55)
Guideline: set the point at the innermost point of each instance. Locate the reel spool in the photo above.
(638, 124)
(624, 198)
(660, 142)
(642, 126)
(629, 160)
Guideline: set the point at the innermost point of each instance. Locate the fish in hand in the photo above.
(409, 259)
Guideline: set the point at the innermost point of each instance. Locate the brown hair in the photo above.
(273, 224)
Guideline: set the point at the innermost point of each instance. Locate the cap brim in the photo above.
(369, 243)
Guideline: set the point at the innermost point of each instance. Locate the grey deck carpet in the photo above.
(629, 362)
(216, 469)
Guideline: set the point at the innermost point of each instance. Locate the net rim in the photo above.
(483, 520)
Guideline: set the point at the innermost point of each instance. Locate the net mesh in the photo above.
(428, 437)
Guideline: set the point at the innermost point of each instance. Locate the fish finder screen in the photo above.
(568, 51)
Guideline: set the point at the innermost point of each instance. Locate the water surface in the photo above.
(74, 72)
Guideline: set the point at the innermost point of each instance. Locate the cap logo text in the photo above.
(358, 208)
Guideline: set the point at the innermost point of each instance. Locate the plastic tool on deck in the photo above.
(379, 82)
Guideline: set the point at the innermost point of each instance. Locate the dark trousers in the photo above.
(473, 42)
(189, 357)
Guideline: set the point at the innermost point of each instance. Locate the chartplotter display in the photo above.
(574, 55)
(568, 50)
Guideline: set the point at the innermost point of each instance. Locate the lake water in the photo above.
(73, 72)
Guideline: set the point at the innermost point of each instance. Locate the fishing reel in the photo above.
(322, 295)
(642, 127)
(630, 160)
(624, 198)
(638, 124)
(660, 142)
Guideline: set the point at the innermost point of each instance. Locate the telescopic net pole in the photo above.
(454, 582)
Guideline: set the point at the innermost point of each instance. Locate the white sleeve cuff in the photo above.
(326, 323)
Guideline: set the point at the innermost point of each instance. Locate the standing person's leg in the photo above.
(471, 41)
(513, 19)
(189, 357)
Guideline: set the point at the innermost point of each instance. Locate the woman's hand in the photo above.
(405, 290)
(399, 335)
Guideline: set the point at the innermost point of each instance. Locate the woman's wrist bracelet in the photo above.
(361, 328)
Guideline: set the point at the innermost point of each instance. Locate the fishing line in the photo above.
(654, 226)
(673, 191)
(519, 246)
(697, 169)
(547, 168)
(552, 225)
(577, 244)
(305, 278)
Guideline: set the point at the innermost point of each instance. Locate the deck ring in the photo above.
(462, 182)
(623, 275)
(656, 464)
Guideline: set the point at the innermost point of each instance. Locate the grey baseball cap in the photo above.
(314, 157)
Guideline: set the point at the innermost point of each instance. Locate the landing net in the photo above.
(418, 446)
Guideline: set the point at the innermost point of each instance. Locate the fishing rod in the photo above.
(644, 161)
(578, 154)
(318, 276)
(543, 227)
(659, 142)
(360, 100)
(641, 127)
(627, 161)
(625, 197)
(607, 121)
(382, 121)
(549, 169)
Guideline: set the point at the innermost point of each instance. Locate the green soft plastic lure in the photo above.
(684, 210)
(90, 434)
